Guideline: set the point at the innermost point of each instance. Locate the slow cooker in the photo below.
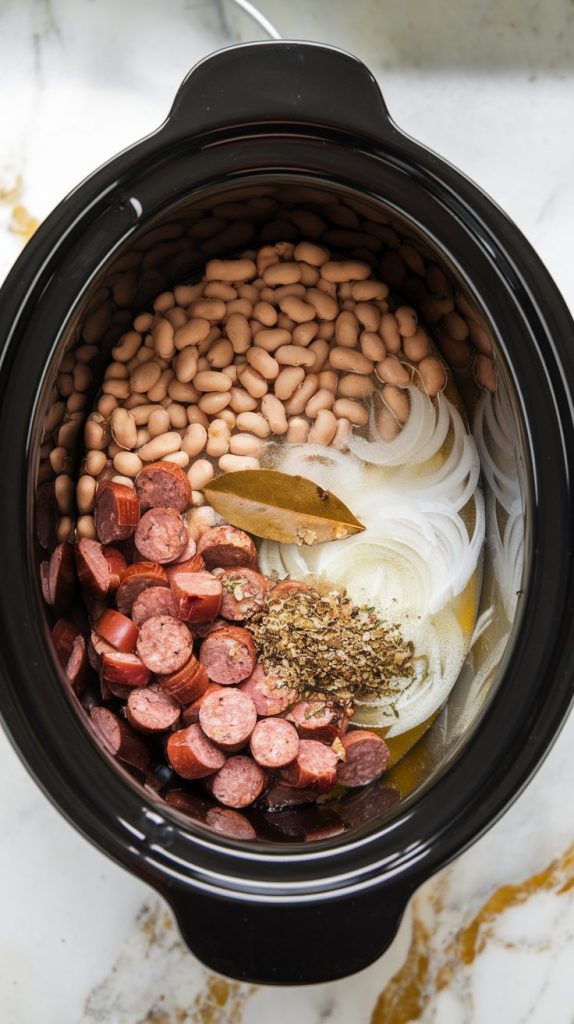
(256, 133)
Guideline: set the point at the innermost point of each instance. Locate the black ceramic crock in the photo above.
(290, 912)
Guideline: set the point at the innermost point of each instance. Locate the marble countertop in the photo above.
(490, 86)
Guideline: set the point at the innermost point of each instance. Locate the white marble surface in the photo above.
(490, 86)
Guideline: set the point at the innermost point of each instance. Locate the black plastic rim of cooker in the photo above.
(266, 913)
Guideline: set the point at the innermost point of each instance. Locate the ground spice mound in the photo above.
(322, 642)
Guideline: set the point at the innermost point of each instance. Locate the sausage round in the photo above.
(118, 630)
(125, 669)
(244, 593)
(161, 535)
(228, 717)
(228, 655)
(318, 720)
(62, 577)
(116, 512)
(136, 578)
(238, 783)
(267, 693)
(187, 684)
(315, 767)
(70, 648)
(225, 547)
(230, 823)
(193, 564)
(192, 755)
(152, 601)
(164, 644)
(285, 588)
(119, 739)
(152, 710)
(367, 757)
(274, 742)
(93, 568)
(196, 595)
(188, 553)
(163, 485)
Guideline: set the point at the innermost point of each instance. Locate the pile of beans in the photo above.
(175, 662)
(282, 343)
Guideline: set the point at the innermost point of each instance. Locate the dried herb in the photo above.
(322, 643)
(277, 506)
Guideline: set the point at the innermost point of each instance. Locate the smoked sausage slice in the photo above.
(187, 684)
(196, 595)
(118, 630)
(230, 823)
(318, 720)
(116, 512)
(116, 564)
(190, 713)
(62, 577)
(119, 739)
(152, 601)
(93, 568)
(244, 593)
(161, 535)
(70, 648)
(163, 485)
(135, 579)
(228, 655)
(274, 742)
(228, 717)
(192, 755)
(238, 783)
(315, 767)
(367, 757)
(227, 547)
(152, 710)
(125, 669)
(164, 644)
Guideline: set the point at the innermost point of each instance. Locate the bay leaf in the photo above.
(281, 507)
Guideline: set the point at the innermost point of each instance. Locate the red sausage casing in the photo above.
(135, 579)
(197, 595)
(118, 630)
(93, 568)
(315, 767)
(186, 685)
(116, 512)
(192, 755)
(125, 669)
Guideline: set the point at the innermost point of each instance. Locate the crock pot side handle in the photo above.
(274, 81)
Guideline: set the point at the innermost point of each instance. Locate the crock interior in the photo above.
(226, 220)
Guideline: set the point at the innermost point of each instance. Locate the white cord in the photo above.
(260, 18)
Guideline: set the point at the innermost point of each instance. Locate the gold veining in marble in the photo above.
(427, 969)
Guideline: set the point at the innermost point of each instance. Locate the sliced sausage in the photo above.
(244, 593)
(186, 685)
(238, 783)
(268, 693)
(70, 648)
(164, 644)
(228, 655)
(190, 714)
(230, 823)
(367, 757)
(110, 690)
(226, 547)
(116, 512)
(192, 755)
(318, 720)
(62, 577)
(152, 601)
(274, 742)
(152, 710)
(93, 568)
(47, 515)
(161, 535)
(228, 717)
(118, 630)
(163, 485)
(285, 588)
(136, 578)
(315, 767)
(117, 565)
(119, 739)
(125, 669)
(196, 595)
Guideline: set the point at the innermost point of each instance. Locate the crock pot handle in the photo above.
(275, 81)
